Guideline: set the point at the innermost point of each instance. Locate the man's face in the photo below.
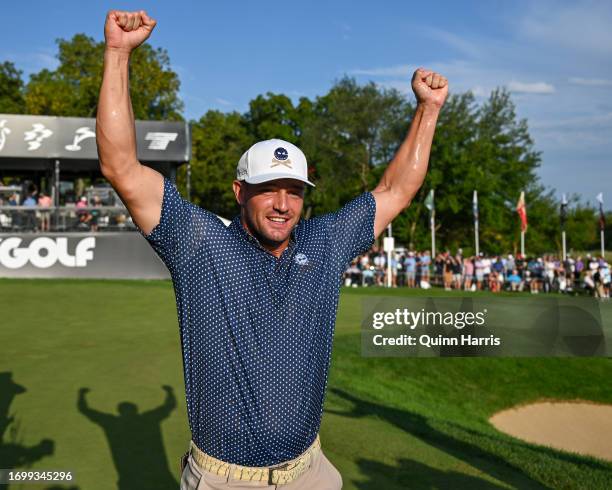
(270, 209)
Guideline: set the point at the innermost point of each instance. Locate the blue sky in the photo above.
(555, 57)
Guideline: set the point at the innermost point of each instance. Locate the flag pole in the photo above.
(389, 254)
(602, 224)
(522, 212)
(429, 204)
(475, 209)
(563, 218)
(564, 249)
(433, 234)
(433, 227)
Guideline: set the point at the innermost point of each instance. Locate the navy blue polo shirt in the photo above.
(256, 330)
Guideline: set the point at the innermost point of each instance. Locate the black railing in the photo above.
(21, 219)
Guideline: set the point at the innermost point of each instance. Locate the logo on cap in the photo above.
(281, 154)
(281, 157)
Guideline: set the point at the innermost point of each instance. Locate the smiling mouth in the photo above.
(278, 220)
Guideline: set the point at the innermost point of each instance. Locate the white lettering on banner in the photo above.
(159, 141)
(80, 134)
(4, 131)
(36, 135)
(13, 256)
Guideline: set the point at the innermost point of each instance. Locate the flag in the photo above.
(429, 200)
(602, 216)
(475, 206)
(563, 211)
(429, 204)
(521, 209)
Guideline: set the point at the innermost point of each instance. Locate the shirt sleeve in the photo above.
(352, 227)
(181, 229)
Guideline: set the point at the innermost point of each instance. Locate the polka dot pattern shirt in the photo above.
(256, 330)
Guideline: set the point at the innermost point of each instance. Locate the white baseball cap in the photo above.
(270, 160)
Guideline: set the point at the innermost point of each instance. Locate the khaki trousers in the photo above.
(321, 475)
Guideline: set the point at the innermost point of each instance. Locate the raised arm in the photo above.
(406, 172)
(140, 187)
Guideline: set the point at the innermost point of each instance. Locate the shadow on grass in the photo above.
(135, 442)
(415, 475)
(13, 453)
(412, 474)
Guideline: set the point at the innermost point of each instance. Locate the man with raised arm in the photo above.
(256, 300)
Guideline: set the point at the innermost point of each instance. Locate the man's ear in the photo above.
(239, 188)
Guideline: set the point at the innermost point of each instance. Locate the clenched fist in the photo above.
(127, 30)
(429, 87)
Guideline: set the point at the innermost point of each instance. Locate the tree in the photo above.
(72, 89)
(273, 116)
(454, 176)
(11, 89)
(218, 142)
(486, 149)
(347, 134)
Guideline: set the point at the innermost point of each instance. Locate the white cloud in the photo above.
(46, 60)
(577, 26)
(225, 102)
(459, 43)
(531, 88)
(345, 30)
(591, 82)
(32, 62)
(462, 75)
(578, 122)
(390, 71)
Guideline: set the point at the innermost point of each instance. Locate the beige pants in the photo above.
(321, 475)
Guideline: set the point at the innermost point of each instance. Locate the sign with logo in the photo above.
(80, 134)
(35, 136)
(13, 256)
(47, 137)
(121, 255)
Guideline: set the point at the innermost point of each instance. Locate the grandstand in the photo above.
(40, 235)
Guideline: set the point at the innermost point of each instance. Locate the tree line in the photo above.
(349, 135)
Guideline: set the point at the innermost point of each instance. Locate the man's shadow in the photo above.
(135, 442)
(382, 476)
(415, 475)
(13, 453)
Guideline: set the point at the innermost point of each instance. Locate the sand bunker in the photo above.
(579, 427)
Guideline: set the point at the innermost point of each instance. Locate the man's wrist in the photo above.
(429, 108)
(119, 53)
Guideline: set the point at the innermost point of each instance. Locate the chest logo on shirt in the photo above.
(301, 259)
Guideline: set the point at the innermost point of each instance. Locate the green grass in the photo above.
(388, 423)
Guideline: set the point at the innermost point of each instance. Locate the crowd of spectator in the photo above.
(84, 215)
(545, 274)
